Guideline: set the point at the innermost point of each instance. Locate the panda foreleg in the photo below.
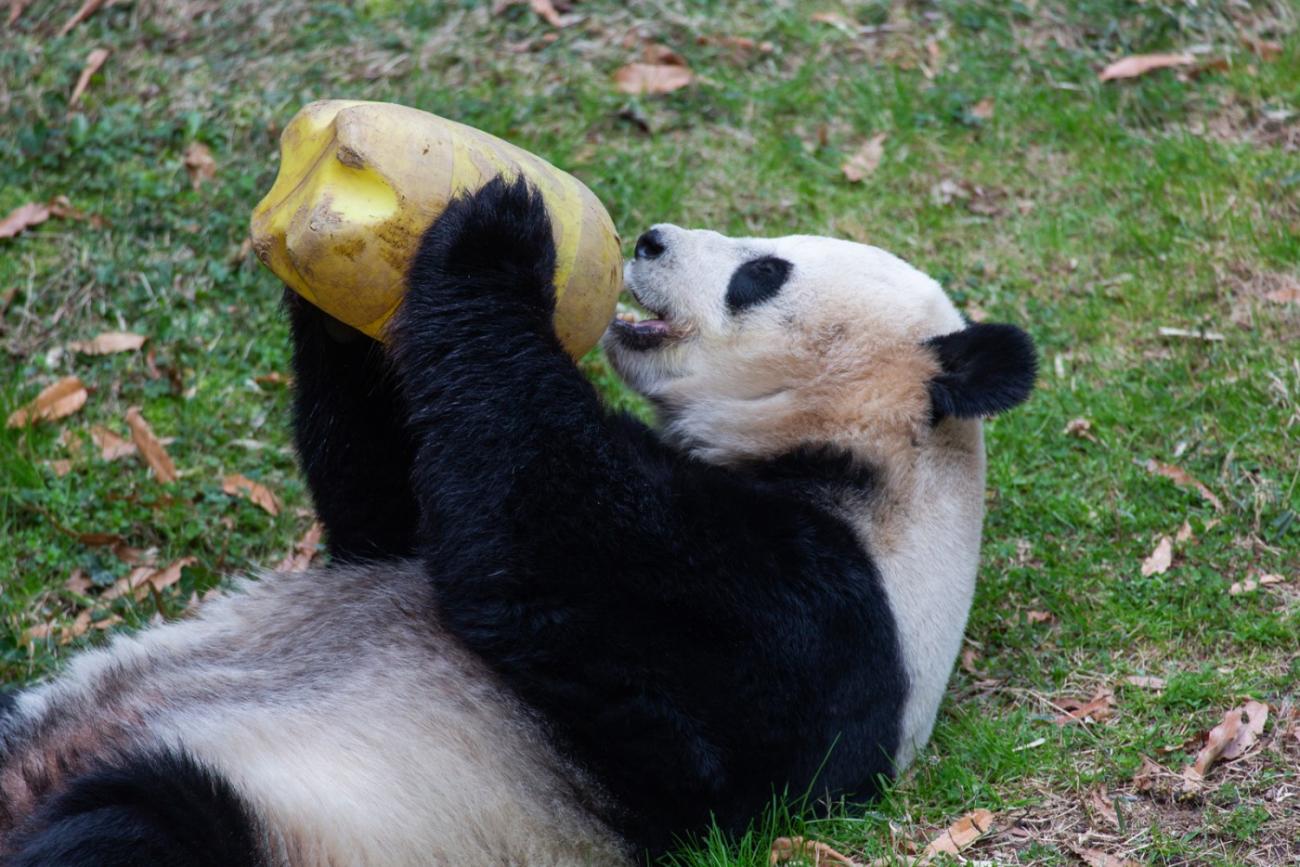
(506, 424)
(350, 430)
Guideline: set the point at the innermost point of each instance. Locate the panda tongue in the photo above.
(651, 326)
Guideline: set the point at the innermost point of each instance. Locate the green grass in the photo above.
(1123, 207)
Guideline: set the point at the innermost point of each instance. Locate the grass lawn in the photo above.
(1094, 214)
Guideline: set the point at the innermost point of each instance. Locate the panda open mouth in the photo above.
(637, 333)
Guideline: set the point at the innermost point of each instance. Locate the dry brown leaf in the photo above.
(110, 445)
(983, 110)
(1038, 616)
(87, 9)
(1101, 806)
(545, 10)
(273, 378)
(1144, 780)
(200, 164)
(143, 580)
(56, 401)
(1286, 295)
(60, 467)
(1264, 49)
(1230, 739)
(866, 159)
(1160, 559)
(237, 485)
(1255, 715)
(304, 550)
(151, 448)
(969, 657)
(664, 72)
(1098, 708)
(1185, 533)
(809, 851)
(78, 582)
(24, 217)
(108, 343)
(959, 835)
(94, 61)
(1184, 479)
(1098, 858)
(16, 10)
(1080, 428)
(1145, 681)
(1141, 64)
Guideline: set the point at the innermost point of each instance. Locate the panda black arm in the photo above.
(349, 426)
(688, 633)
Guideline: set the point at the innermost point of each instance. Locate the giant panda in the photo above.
(549, 634)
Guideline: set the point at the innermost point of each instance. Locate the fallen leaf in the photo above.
(304, 550)
(946, 190)
(545, 10)
(1230, 739)
(1080, 428)
(94, 61)
(663, 72)
(1145, 681)
(87, 9)
(959, 835)
(1098, 858)
(983, 110)
(1184, 533)
(1286, 295)
(866, 159)
(969, 657)
(60, 467)
(200, 164)
(1098, 708)
(24, 217)
(1100, 804)
(1141, 64)
(1255, 716)
(143, 580)
(1146, 777)
(839, 22)
(273, 378)
(1184, 479)
(56, 401)
(108, 343)
(1265, 49)
(237, 485)
(78, 582)
(151, 448)
(110, 445)
(810, 851)
(16, 10)
(1161, 558)
(1038, 616)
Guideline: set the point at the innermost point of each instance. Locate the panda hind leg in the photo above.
(163, 809)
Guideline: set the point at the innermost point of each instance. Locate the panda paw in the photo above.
(496, 241)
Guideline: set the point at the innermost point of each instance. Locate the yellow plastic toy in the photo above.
(359, 182)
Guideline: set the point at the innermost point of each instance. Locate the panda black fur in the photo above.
(554, 636)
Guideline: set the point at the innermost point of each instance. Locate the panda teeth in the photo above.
(627, 314)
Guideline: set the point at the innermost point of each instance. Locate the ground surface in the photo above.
(1092, 213)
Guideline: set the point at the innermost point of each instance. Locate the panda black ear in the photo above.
(985, 369)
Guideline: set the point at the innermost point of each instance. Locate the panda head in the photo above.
(759, 346)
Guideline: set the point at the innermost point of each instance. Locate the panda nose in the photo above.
(650, 245)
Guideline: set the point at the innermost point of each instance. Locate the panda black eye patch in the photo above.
(756, 281)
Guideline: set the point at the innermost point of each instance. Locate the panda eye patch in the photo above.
(756, 281)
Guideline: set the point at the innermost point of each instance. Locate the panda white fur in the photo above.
(550, 635)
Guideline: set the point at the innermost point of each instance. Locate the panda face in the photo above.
(757, 345)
